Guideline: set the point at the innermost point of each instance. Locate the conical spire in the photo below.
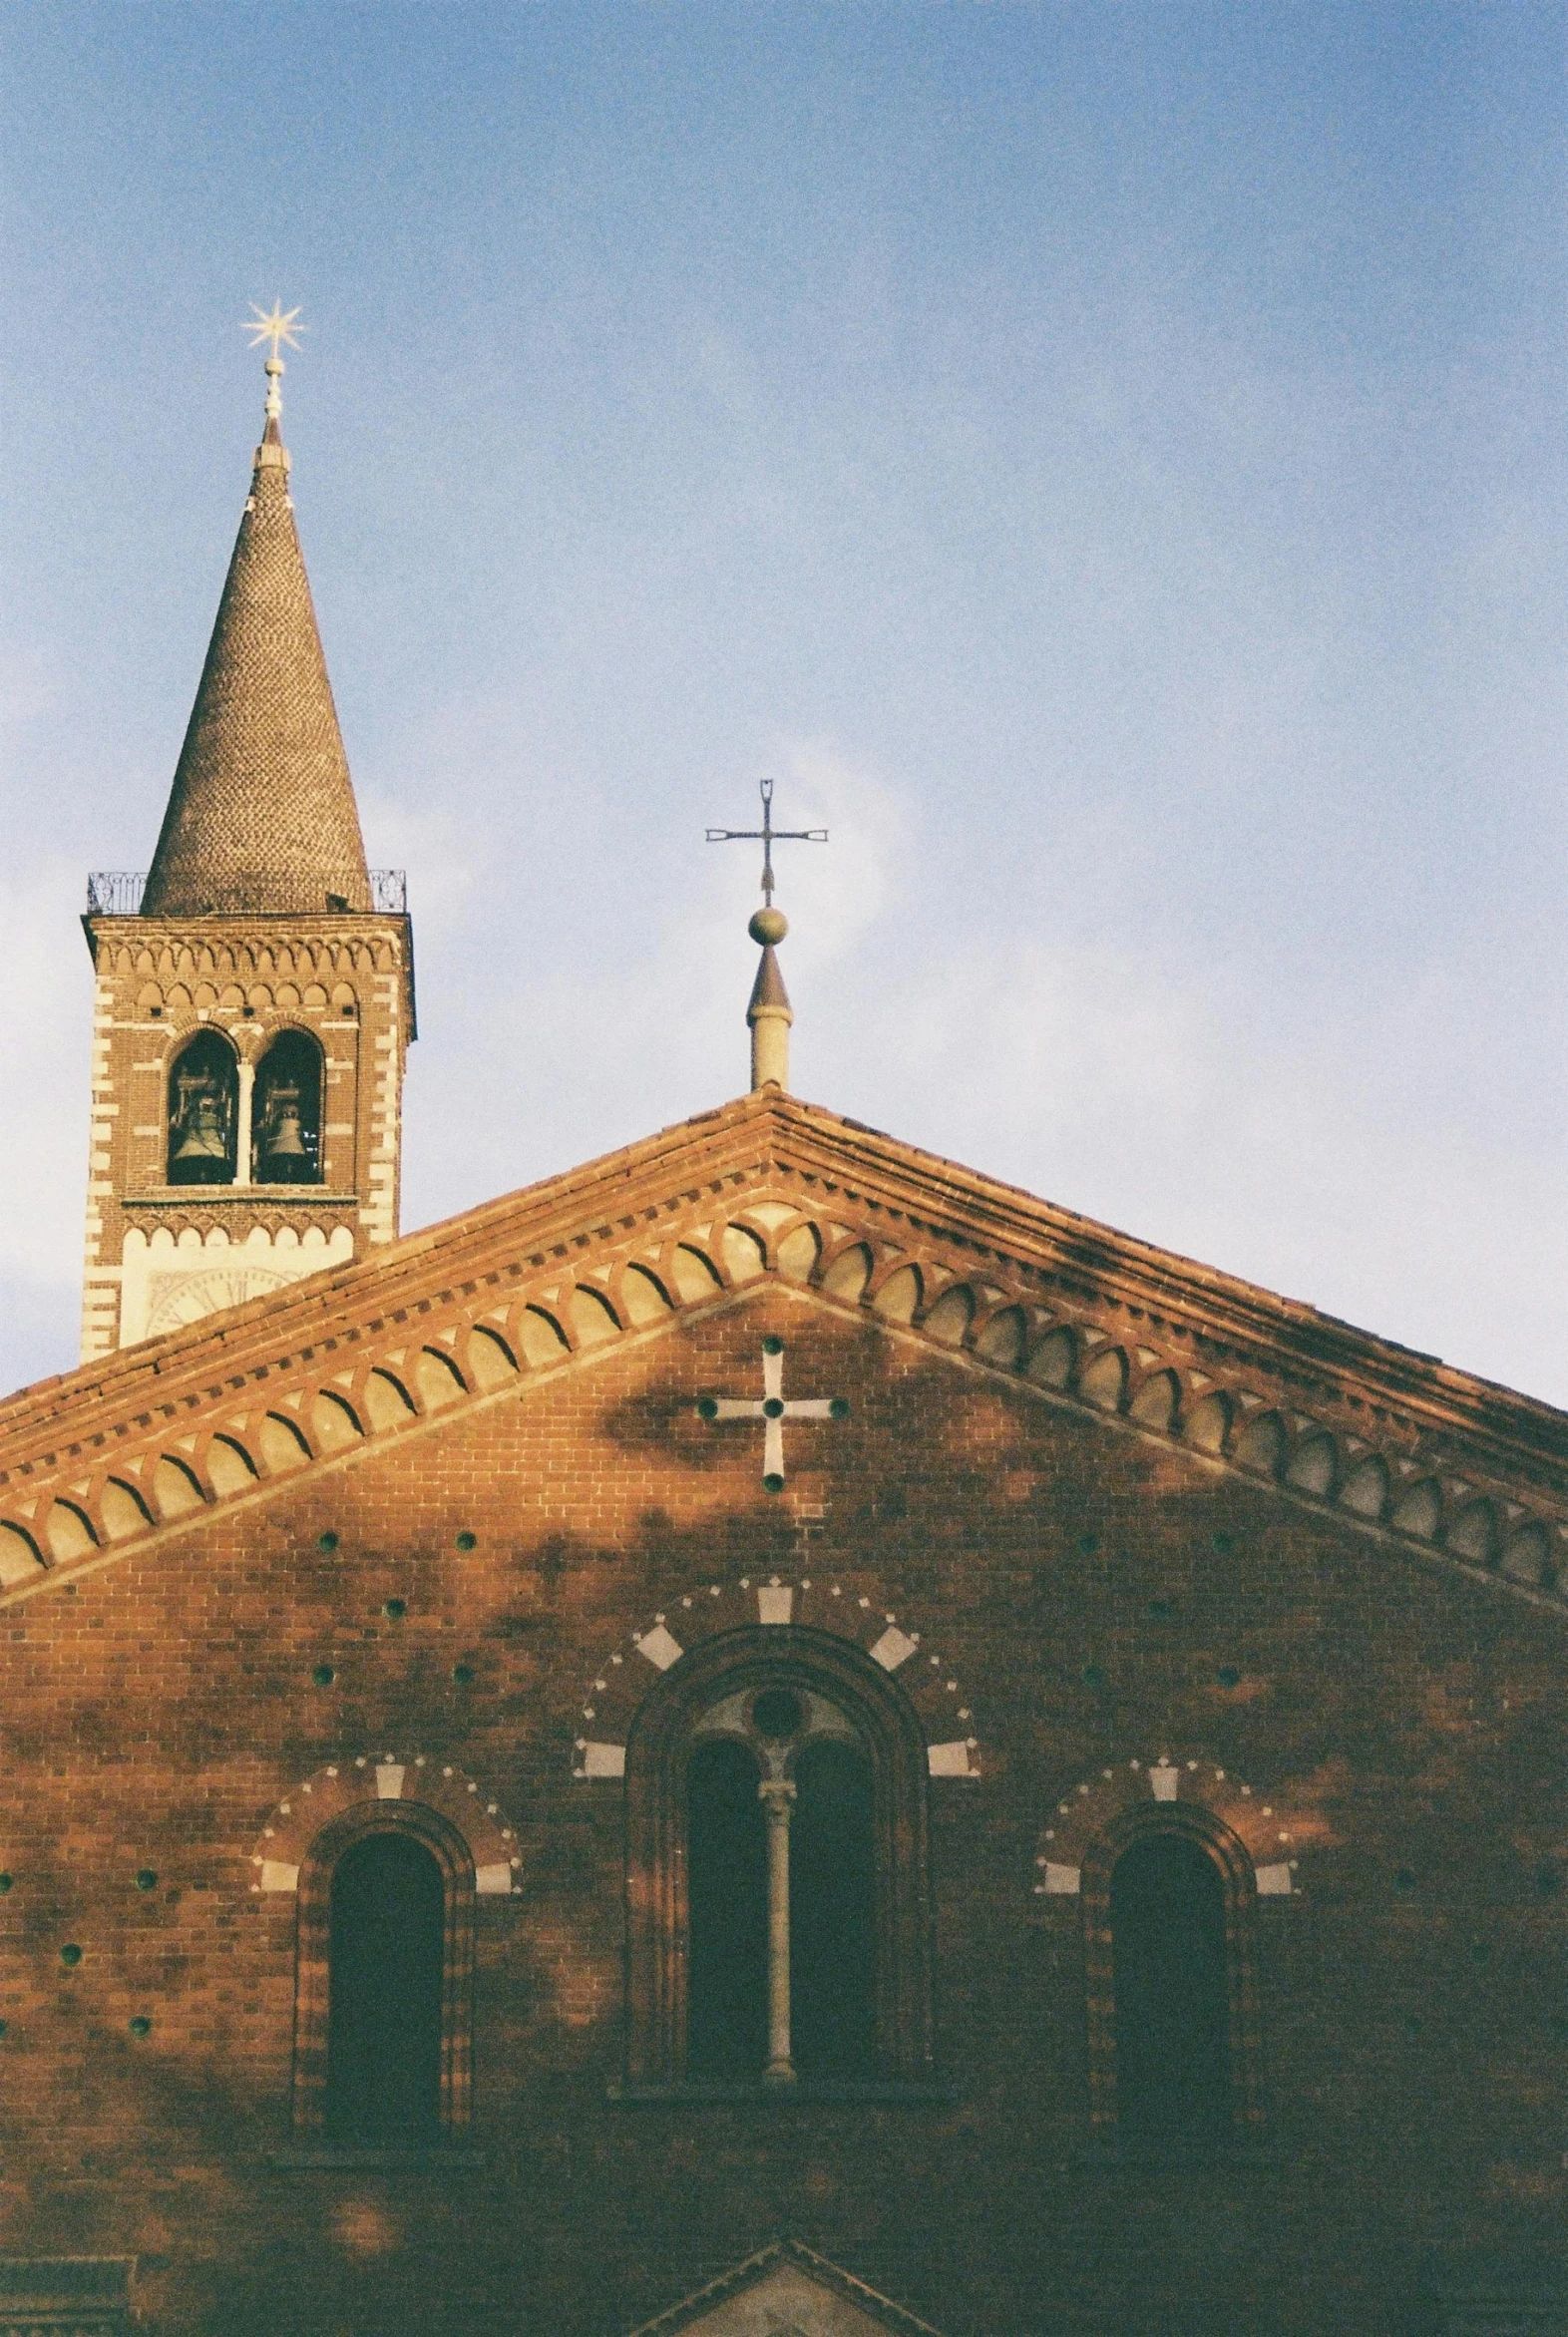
(261, 815)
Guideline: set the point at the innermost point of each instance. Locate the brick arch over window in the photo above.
(1198, 1828)
(849, 1605)
(889, 1733)
(1274, 1827)
(355, 1781)
(313, 1961)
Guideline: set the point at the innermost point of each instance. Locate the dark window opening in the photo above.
(725, 1760)
(832, 1911)
(384, 1994)
(1171, 1965)
(727, 1888)
(831, 1893)
(285, 1112)
(204, 1089)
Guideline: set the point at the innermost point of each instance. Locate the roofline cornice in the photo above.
(1216, 1306)
(566, 1219)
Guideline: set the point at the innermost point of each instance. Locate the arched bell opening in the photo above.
(778, 1893)
(204, 1113)
(285, 1112)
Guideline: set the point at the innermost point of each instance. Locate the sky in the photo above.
(1104, 463)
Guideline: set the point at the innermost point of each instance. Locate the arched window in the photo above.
(778, 1901)
(204, 1087)
(383, 2015)
(832, 1876)
(727, 1888)
(1173, 2004)
(781, 1893)
(1173, 2047)
(285, 1112)
(384, 1993)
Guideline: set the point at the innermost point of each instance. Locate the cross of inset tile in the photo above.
(772, 1411)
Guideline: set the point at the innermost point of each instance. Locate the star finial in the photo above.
(275, 328)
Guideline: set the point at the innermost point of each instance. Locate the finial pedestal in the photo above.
(769, 1013)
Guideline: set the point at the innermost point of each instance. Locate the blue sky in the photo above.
(1105, 462)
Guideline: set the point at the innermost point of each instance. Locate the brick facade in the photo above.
(1107, 1518)
(155, 1254)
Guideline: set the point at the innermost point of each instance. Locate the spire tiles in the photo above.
(261, 815)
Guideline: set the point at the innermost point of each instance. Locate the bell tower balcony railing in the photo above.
(263, 893)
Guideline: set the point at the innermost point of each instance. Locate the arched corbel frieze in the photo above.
(999, 1321)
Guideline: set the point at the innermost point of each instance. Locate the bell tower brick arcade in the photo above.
(254, 992)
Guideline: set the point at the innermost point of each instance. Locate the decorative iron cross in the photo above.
(773, 1411)
(767, 835)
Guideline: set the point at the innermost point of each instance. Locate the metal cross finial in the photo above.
(767, 835)
(275, 328)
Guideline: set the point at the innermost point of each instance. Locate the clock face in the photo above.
(176, 1298)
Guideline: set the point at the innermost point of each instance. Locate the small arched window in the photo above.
(778, 1897)
(204, 1087)
(285, 1112)
(383, 2008)
(1175, 2049)
(384, 1993)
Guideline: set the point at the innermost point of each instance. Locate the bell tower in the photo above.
(253, 997)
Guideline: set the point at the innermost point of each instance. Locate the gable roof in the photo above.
(797, 2278)
(1427, 1458)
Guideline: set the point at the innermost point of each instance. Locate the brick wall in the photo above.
(1101, 1598)
(347, 980)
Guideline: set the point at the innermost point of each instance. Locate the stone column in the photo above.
(247, 1080)
(776, 1795)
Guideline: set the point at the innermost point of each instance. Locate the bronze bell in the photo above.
(201, 1120)
(284, 1139)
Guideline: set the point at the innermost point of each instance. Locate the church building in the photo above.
(768, 1737)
